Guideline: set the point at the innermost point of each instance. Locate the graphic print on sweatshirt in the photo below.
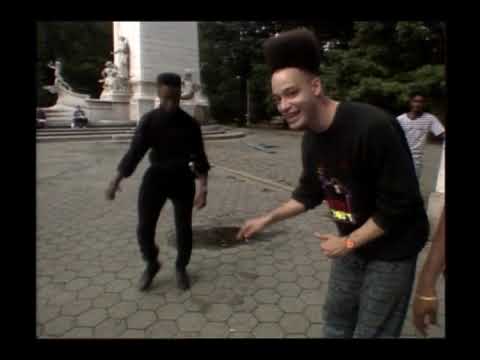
(337, 196)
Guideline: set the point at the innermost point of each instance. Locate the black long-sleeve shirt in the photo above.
(175, 139)
(361, 166)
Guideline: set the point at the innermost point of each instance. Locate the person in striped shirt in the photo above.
(417, 124)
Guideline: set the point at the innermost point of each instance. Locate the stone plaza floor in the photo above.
(88, 262)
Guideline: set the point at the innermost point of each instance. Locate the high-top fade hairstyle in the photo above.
(169, 79)
(297, 48)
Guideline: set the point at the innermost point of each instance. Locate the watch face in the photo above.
(350, 244)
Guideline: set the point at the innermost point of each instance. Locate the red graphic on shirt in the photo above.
(338, 198)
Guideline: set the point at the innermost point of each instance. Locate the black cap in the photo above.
(169, 79)
(297, 48)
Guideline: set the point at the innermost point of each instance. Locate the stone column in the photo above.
(157, 47)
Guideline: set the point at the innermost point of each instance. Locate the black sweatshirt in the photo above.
(362, 167)
(175, 139)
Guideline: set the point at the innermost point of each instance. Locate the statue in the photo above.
(59, 80)
(110, 79)
(123, 53)
(188, 86)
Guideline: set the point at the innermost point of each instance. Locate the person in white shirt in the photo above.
(417, 124)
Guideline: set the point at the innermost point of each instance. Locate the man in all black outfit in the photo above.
(356, 159)
(176, 144)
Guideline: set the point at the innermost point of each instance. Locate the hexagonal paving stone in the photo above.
(191, 322)
(92, 317)
(133, 334)
(141, 319)
(170, 311)
(265, 260)
(218, 312)
(285, 276)
(76, 308)
(131, 293)
(239, 335)
(47, 313)
(288, 289)
(210, 263)
(163, 329)
(197, 304)
(314, 313)
(90, 292)
(227, 258)
(283, 265)
(63, 298)
(103, 278)
(151, 302)
(64, 276)
(301, 260)
(291, 305)
(248, 304)
(188, 335)
(268, 330)
(268, 313)
(90, 272)
(226, 269)
(214, 330)
(59, 326)
(294, 323)
(227, 282)
(266, 270)
(79, 333)
(313, 297)
(128, 274)
(202, 288)
(123, 309)
(315, 331)
(305, 270)
(242, 322)
(106, 300)
(225, 296)
(114, 266)
(266, 296)
(281, 255)
(323, 266)
(111, 328)
(268, 282)
(177, 296)
(309, 282)
(77, 284)
(117, 285)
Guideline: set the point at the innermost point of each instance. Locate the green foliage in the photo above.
(384, 62)
(83, 46)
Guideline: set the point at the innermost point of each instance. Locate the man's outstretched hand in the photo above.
(111, 190)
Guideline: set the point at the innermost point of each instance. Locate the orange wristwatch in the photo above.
(349, 243)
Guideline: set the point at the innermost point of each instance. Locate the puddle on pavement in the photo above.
(213, 238)
(221, 237)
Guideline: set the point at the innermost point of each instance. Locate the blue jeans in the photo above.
(368, 299)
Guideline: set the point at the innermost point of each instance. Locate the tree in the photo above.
(231, 53)
(385, 61)
(83, 46)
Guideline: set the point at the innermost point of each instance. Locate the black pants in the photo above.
(80, 122)
(159, 184)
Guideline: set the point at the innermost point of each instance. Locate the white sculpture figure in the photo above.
(110, 80)
(123, 53)
(59, 80)
(188, 87)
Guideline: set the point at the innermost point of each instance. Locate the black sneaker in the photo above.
(147, 277)
(183, 280)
